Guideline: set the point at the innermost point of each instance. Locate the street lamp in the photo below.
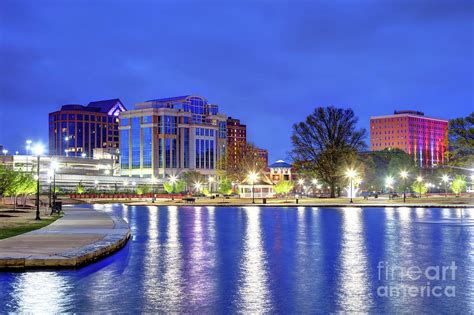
(404, 175)
(198, 186)
(389, 183)
(153, 185)
(38, 149)
(301, 183)
(445, 179)
(5, 151)
(252, 178)
(83, 155)
(351, 174)
(173, 179)
(53, 167)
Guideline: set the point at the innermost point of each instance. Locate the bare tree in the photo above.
(326, 142)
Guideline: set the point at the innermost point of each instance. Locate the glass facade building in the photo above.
(170, 135)
(76, 129)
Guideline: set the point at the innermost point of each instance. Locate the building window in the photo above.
(124, 148)
(147, 147)
(136, 142)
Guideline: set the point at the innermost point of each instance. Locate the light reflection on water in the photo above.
(253, 260)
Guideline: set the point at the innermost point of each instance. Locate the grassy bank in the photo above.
(15, 222)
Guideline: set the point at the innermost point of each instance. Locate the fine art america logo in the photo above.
(414, 281)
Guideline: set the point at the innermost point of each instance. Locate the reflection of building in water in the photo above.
(253, 292)
(355, 295)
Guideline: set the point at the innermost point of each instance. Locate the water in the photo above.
(283, 260)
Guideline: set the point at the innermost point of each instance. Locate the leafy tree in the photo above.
(80, 188)
(237, 169)
(461, 141)
(225, 186)
(206, 192)
(283, 187)
(459, 184)
(169, 188)
(180, 186)
(7, 175)
(419, 187)
(325, 141)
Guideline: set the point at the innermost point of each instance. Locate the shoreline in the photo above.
(80, 237)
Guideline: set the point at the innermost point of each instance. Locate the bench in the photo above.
(189, 200)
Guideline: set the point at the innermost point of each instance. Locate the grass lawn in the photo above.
(13, 223)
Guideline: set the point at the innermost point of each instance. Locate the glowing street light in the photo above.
(5, 151)
(445, 179)
(351, 174)
(38, 149)
(198, 186)
(83, 155)
(404, 175)
(389, 182)
(173, 179)
(252, 178)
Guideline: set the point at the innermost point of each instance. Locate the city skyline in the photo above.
(301, 57)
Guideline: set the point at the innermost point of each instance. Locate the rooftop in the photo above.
(280, 164)
(110, 107)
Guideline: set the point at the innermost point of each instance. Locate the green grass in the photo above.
(6, 232)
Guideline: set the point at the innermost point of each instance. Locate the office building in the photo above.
(263, 156)
(425, 138)
(236, 140)
(76, 130)
(171, 135)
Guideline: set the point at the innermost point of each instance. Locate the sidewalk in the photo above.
(79, 237)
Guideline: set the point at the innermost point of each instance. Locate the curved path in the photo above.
(79, 237)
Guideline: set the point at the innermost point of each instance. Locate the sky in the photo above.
(268, 63)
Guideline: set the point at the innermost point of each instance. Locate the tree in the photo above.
(191, 177)
(419, 187)
(459, 184)
(326, 141)
(80, 188)
(168, 187)
(461, 141)
(143, 189)
(180, 186)
(237, 169)
(225, 186)
(283, 187)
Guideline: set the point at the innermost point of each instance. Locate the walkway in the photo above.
(79, 237)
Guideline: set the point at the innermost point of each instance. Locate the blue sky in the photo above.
(268, 63)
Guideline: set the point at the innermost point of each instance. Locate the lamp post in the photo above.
(445, 179)
(5, 151)
(351, 174)
(419, 179)
(211, 181)
(388, 184)
(404, 175)
(54, 166)
(38, 150)
(252, 177)
(301, 184)
(153, 185)
(173, 179)
(198, 186)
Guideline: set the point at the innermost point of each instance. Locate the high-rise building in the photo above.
(236, 140)
(425, 138)
(167, 136)
(76, 130)
(263, 156)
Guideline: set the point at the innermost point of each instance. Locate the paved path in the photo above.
(79, 237)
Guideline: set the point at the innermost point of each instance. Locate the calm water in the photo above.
(208, 260)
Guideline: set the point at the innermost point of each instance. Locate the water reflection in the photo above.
(172, 286)
(253, 294)
(41, 292)
(354, 293)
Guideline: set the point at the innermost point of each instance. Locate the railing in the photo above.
(124, 196)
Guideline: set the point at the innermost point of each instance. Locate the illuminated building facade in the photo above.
(171, 135)
(263, 156)
(236, 140)
(77, 130)
(425, 138)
